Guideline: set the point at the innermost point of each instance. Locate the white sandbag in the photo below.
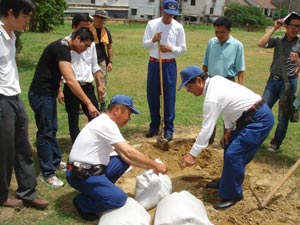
(151, 188)
(181, 208)
(132, 213)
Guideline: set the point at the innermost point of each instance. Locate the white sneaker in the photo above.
(62, 166)
(52, 181)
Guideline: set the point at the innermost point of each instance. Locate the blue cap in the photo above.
(124, 100)
(171, 7)
(189, 73)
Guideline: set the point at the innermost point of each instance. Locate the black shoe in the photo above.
(85, 216)
(150, 133)
(227, 203)
(213, 184)
(168, 137)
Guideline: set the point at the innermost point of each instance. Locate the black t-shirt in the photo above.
(100, 48)
(47, 74)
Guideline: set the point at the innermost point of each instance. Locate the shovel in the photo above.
(161, 141)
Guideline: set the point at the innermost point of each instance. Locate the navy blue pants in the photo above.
(241, 150)
(169, 70)
(99, 193)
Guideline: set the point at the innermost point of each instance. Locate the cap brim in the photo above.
(100, 16)
(135, 111)
(171, 12)
(182, 84)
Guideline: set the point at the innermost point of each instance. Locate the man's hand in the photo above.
(156, 37)
(109, 67)
(160, 168)
(100, 92)
(226, 138)
(165, 48)
(188, 161)
(60, 97)
(92, 110)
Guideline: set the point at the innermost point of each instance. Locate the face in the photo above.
(81, 46)
(21, 22)
(124, 114)
(167, 18)
(196, 88)
(99, 21)
(222, 33)
(82, 24)
(293, 28)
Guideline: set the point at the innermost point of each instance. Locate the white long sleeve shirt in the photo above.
(224, 97)
(172, 34)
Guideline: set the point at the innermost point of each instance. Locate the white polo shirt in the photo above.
(94, 143)
(9, 77)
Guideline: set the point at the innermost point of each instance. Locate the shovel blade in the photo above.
(163, 143)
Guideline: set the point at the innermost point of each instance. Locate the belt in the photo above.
(9, 97)
(276, 77)
(246, 117)
(91, 169)
(163, 60)
(83, 83)
(230, 78)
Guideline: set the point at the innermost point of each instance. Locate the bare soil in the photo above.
(262, 175)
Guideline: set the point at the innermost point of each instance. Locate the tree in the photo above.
(244, 16)
(47, 15)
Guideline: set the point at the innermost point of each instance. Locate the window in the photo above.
(193, 2)
(211, 11)
(133, 12)
(151, 0)
(93, 1)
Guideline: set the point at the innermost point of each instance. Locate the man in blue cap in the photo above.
(166, 35)
(93, 170)
(238, 105)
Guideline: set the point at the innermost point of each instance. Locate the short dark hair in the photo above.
(223, 21)
(17, 6)
(292, 17)
(78, 18)
(203, 76)
(83, 33)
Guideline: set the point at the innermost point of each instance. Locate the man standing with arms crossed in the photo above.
(224, 56)
(104, 49)
(171, 36)
(15, 148)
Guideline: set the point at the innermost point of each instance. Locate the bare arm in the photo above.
(136, 158)
(98, 82)
(67, 72)
(110, 57)
(205, 68)
(264, 40)
(240, 77)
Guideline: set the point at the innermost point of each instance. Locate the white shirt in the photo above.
(94, 143)
(224, 97)
(85, 64)
(9, 77)
(172, 34)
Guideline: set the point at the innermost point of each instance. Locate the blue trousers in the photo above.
(48, 150)
(99, 193)
(241, 150)
(273, 91)
(169, 70)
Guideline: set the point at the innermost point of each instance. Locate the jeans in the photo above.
(49, 153)
(273, 91)
(169, 70)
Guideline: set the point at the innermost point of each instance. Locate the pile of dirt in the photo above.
(261, 177)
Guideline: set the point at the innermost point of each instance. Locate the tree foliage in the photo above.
(47, 15)
(280, 13)
(243, 16)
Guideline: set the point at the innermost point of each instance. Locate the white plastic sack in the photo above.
(151, 188)
(132, 213)
(181, 208)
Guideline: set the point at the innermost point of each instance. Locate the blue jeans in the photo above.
(169, 70)
(48, 150)
(99, 193)
(273, 91)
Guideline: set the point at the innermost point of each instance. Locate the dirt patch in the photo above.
(261, 176)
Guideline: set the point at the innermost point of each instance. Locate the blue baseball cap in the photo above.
(171, 7)
(124, 100)
(189, 73)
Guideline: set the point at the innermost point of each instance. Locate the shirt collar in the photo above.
(3, 31)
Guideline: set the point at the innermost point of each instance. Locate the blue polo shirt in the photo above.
(225, 60)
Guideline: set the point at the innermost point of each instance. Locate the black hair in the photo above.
(223, 21)
(83, 33)
(17, 6)
(293, 16)
(78, 18)
(203, 76)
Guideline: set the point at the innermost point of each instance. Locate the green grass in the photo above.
(129, 77)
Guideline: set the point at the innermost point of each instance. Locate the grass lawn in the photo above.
(129, 77)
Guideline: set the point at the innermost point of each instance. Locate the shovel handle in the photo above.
(161, 89)
(269, 197)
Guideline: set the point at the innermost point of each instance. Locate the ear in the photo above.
(10, 13)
